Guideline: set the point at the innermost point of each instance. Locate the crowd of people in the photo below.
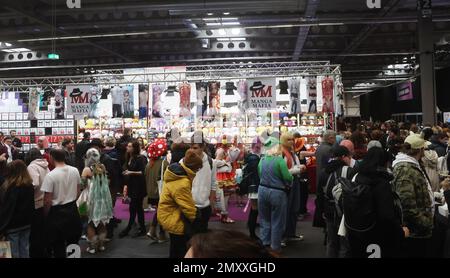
(378, 183)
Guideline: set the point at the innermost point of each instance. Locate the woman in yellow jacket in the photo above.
(176, 205)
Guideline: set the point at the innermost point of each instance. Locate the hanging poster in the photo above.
(33, 106)
(128, 101)
(44, 98)
(262, 93)
(319, 93)
(185, 100)
(404, 91)
(157, 105)
(202, 102)
(59, 103)
(327, 92)
(214, 98)
(294, 98)
(117, 100)
(78, 101)
(312, 94)
(143, 101)
(94, 99)
(106, 90)
(304, 98)
(243, 93)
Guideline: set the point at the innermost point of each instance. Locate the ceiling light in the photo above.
(223, 39)
(12, 50)
(238, 39)
(213, 24)
(226, 13)
(222, 32)
(229, 18)
(211, 18)
(231, 23)
(210, 13)
(235, 31)
(8, 44)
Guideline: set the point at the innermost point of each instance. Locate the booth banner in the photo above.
(45, 98)
(304, 98)
(157, 105)
(78, 101)
(33, 106)
(214, 98)
(404, 91)
(117, 100)
(185, 99)
(243, 93)
(294, 99)
(143, 100)
(312, 94)
(94, 99)
(262, 93)
(60, 94)
(128, 101)
(202, 101)
(328, 93)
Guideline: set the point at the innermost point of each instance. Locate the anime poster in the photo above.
(304, 98)
(214, 98)
(45, 98)
(117, 100)
(243, 94)
(94, 99)
(294, 97)
(185, 100)
(202, 101)
(157, 105)
(327, 93)
(33, 106)
(128, 101)
(59, 103)
(143, 101)
(312, 94)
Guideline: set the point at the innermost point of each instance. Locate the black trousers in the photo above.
(117, 111)
(178, 246)
(304, 191)
(37, 234)
(204, 219)
(137, 209)
(417, 247)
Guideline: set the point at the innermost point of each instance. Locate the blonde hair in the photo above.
(274, 151)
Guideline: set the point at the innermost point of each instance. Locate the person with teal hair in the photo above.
(98, 200)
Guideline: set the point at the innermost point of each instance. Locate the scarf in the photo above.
(290, 158)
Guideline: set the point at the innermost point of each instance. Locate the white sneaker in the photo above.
(90, 250)
(101, 248)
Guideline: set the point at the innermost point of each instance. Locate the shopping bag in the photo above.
(82, 202)
(5, 250)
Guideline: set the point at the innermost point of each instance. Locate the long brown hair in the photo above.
(16, 175)
(136, 152)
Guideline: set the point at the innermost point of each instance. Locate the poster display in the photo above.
(304, 97)
(327, 94)
(78, 101)
(404, 91)
(59, 103)
(94, 99)
(45, 98)
(294, 98)
(33, 106)
(214, 98)
(157, 105)
(312, 94)
(185, 100)
(262, 94)
(128, 101)
(143, 101)
(202, 101)
(243, 94)
(117, 100)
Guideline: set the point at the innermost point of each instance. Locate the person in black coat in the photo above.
(81, 149)
(388, 232)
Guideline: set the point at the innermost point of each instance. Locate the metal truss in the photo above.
(193, 73)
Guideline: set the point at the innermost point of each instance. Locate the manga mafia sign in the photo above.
(262, 93)
(78, 103)
(73, 4)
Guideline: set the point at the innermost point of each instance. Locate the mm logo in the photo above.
(73, 4)
(373, 4)
(78, 97)
(263, 93)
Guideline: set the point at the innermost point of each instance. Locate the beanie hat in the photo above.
(374, 143)
(192, 161)
(157, 149)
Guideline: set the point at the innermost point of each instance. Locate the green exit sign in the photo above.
(53, 56)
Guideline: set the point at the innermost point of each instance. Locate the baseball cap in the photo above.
(416, 141)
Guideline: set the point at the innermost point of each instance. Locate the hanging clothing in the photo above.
(294, 87)
(185, 100)
(327, 91)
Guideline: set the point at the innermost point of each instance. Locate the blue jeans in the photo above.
(272, 206)
(20, 243)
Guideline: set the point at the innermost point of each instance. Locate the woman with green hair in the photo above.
(99, 202)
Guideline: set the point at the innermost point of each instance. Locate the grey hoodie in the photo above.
(38, 169)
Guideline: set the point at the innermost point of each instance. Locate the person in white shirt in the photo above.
(61, 189)
(204, 184)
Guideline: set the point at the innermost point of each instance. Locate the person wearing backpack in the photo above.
(374, 215)
(337, 167)
(416, 197)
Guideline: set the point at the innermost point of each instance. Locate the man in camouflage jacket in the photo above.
(416, 196)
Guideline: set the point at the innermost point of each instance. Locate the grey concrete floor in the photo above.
(128, 247)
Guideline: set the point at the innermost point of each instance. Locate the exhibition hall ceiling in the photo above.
(112, 34)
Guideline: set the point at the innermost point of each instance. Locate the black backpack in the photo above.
(358, 205)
